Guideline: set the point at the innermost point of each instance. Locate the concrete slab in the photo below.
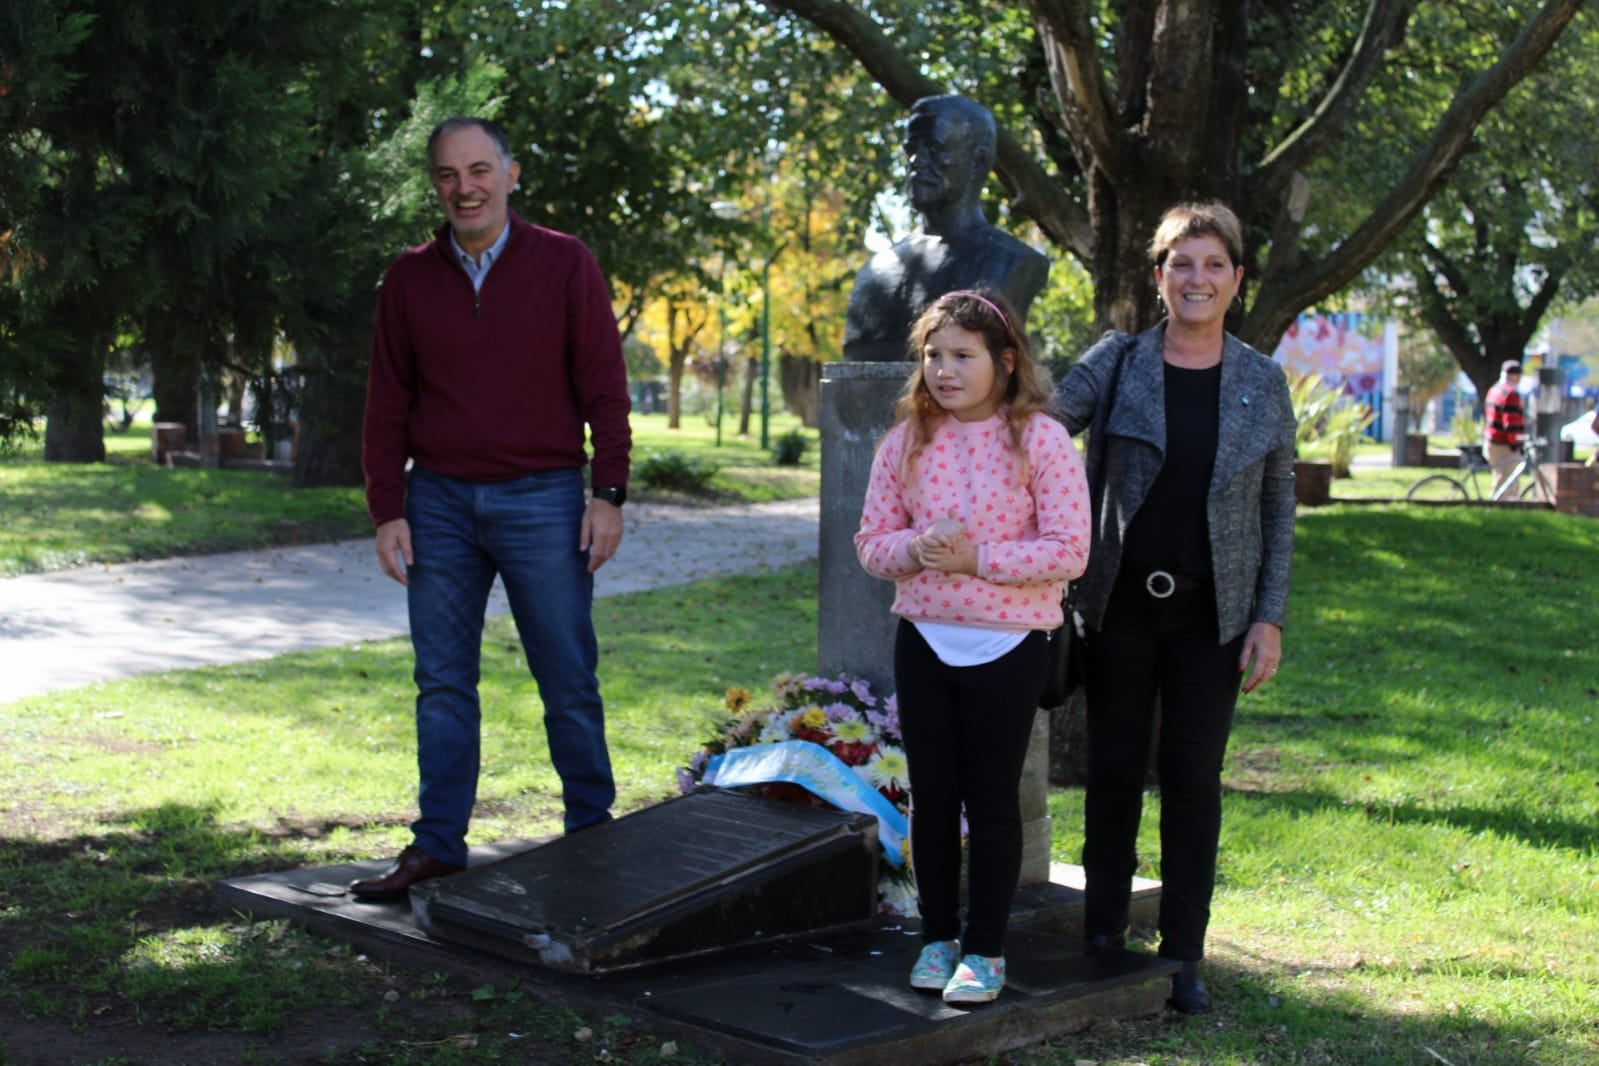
(838, 1000)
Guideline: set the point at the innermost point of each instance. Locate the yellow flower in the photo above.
(852, 730)
(809, 718)
(737, 700)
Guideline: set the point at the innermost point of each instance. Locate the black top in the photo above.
(1170, 531)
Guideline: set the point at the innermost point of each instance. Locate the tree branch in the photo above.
(1446, 327)
(1033, 191)
(1282, 295)
(1459, 284)
(1384, 27)
(1068, 40)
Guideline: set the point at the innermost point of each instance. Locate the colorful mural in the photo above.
(1346, 348)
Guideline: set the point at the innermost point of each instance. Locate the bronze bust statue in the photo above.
(949, 150)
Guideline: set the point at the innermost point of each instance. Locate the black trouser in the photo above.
(966, 730)
(1144, 647)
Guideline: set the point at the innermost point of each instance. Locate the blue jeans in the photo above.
(526, 530)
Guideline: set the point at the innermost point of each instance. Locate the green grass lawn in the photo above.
(747, 471)
(72, 514)
(1408, 873)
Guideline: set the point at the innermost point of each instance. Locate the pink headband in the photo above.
(985, 301)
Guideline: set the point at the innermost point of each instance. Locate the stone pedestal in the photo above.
(1576, 488)
(1312, 482)
(166, 438)
(855, 631)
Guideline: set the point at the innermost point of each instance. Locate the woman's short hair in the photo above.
(1209, 219)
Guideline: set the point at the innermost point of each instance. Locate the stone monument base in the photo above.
(834, 1000)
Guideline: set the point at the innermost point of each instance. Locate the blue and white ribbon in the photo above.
(818, 771)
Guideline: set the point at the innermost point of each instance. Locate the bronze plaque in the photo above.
(699, 873)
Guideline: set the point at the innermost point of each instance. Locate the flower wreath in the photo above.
(842, 715)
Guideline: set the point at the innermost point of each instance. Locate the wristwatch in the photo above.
(616, 497)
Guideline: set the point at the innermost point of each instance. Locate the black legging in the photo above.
(1147, 646)
(966, 730)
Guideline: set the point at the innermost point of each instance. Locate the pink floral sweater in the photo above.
(1031, 536)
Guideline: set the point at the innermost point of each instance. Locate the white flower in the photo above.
(775, 731)
(896, 896)
(888, 769)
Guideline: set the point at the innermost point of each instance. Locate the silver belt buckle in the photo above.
(1160, 584)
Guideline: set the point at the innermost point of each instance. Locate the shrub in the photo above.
(675, 471)
(1466, 426)
(790, 448)
(1329, 423)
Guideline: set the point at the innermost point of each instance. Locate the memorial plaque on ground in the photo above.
(699, 873)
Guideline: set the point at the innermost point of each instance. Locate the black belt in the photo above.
(1161, 584)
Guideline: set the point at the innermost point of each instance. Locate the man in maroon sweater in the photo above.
(494, 346)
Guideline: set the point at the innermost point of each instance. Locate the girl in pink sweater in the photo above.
(977, 510)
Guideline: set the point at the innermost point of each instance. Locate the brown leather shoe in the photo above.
(412, 866)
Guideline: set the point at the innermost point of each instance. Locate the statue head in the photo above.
(949, 150)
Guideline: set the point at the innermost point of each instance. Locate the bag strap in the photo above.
(1100, 421)
(1096, 482)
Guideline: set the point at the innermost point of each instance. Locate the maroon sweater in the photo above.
(494, 385)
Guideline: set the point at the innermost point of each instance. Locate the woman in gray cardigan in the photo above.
(1190, 458)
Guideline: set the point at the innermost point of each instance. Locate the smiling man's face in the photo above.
(473, 184)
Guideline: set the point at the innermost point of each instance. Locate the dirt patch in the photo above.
(329, 1036)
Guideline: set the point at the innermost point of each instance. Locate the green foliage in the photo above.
(1061, 321)
(1510, 237)
(1327, 423)
(1466, 426)
(675, 471)
(789, 449)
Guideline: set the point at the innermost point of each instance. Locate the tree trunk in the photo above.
(174, 368)
(74, 431)
(332, 406)
(751, 370)
(801, 379)
(674, 389)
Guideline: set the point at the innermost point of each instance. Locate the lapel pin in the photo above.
(1246, 401)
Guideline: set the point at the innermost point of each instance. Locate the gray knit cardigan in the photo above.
(1251, 504)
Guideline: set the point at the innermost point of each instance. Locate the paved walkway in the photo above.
(101, 623)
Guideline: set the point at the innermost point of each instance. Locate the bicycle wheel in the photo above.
(1536, 492)
(1437, 488)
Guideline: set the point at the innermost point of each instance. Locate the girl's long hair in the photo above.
(1023, 391)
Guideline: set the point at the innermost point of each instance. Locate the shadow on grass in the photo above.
(1279, 1017)
(1519, 823)
(123, 923)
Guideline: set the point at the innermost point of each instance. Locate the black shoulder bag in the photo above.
(1065, 670)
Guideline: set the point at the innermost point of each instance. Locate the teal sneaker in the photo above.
(936, 964)
(976, 980)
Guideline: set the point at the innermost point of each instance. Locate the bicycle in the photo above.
(1445, 488)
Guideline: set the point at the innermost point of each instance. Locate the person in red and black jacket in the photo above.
(495, 346)
(1505, 426)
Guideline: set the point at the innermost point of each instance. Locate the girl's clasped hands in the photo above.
(945, 546)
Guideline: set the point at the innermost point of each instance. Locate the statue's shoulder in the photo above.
(999, 240)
